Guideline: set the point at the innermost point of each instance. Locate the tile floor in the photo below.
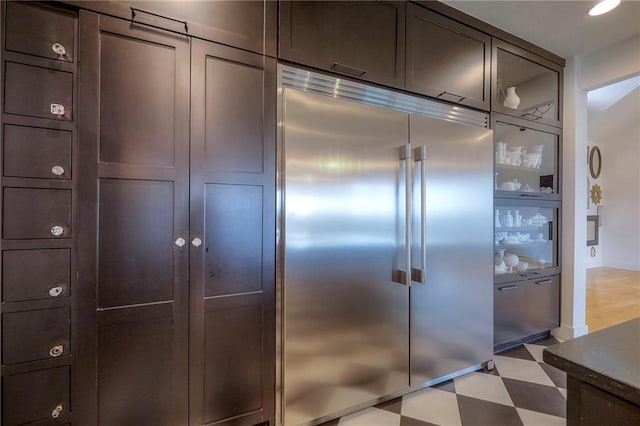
(521, 390)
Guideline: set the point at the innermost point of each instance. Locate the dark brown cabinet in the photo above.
(36, 274)
(39, 139)
(133, 292)
(36, 152)
(36, 395)
(526, 308)
(31, 213)
(248, 24)
(32, 335)
(177, 228)
(36, 29)
(362, 39)
(447, 60)
(232, 274)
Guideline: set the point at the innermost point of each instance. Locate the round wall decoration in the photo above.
(595, 162)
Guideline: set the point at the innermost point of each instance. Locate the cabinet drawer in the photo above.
(510, 307)
(33, 335)
(38, 92)
(543, 298)
(35, 152)
(35, 274)
(36, 30)
(37, 395)
(36, 213)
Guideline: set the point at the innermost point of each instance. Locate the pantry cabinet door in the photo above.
(232, 271)
(133, 272)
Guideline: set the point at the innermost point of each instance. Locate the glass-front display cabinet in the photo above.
(526, 159)
(526, 85)
(526, 239)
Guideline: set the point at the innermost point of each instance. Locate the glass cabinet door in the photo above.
(526, 238)
(526, 161)
(526, 85)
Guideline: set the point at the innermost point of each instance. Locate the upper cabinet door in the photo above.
(246, 24)
(362, 39)
(447, 60)
(526, 85)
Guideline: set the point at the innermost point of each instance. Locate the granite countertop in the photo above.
(608, 359)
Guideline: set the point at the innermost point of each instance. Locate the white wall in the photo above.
(581, 74)
(619, 142)
(612, 64)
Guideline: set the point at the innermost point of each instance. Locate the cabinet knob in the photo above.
(180, 242)
(58, 110)
(56, 411)
(196, 242)
(55, 291)
(59, 50)
(56, 351)
(57, 230)
(57, 170)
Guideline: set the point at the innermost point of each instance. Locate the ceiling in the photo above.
(562, 27)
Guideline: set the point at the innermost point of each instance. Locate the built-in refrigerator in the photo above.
(385, 244)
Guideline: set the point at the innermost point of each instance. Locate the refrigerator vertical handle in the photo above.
(404, 276)
(419, 275)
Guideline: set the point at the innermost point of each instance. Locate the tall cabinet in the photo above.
(526, 119)
(177, 226)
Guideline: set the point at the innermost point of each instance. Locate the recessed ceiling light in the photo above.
(603, 7)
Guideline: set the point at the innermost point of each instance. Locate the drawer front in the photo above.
(38, 30)
(36, 274)
(543, 298)
(38, 92)
(37, 153)
(34, 396)
(36, 213)
(33, 335)
(510, 312)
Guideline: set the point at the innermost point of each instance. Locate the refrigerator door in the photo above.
(345, 320)
(452, 312)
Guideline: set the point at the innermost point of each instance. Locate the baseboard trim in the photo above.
(566, 332)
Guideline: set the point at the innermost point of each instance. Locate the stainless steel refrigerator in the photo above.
(385, 244)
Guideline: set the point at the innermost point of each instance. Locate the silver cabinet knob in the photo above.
(57, 230)
(59, 50)
(55, 291)
(58, 110)
(180, 242)
(56, 411)
(196, 242)
(56, 351)
(57, 170)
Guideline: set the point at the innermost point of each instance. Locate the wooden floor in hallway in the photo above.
(613, 296)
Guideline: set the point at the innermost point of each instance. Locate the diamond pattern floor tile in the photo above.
(536, 397)
(535, 351)
(520, 369)
(533, 418)
(432, 405)
(483, 386)
(371, 417)
(476, 412)
(521, 390)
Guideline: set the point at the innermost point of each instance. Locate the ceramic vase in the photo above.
(511, 100)
(508, 219)
(511, 260)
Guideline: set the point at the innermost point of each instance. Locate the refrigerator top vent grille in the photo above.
(346, 89)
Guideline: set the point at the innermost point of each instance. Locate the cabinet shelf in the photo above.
(524, 169)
